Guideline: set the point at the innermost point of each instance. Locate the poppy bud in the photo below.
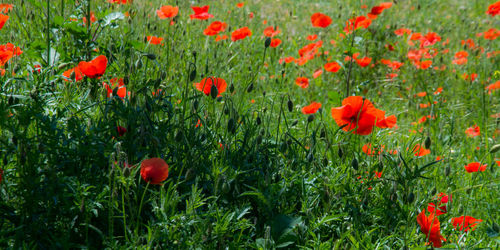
(219, 98)
(427, 143)
(163, 75)
(250, 88)
(340, 152)
(264, 93)
(126, 171)
(231, 126)
(262, 132)
(5, 161)
(267, 42)
(151, 56)
(447, 170)
(138, 64)
(259, 139)
(310, 157)
(258, 120)
(290, 105)
(411, 197)
(192, 75)
(310, 118)
(380, 166)
(433, 191)
(325, 161)
(115, 91)
(295, 123)
(72, 76)
(213, 91)
(495, 148)
(231, 88)
(178, 136)
(196, 104)
(354, 163)
(11, 101)
(194, 53)
(322, 134)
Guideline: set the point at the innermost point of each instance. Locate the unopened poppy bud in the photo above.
(495, 148)
(290, 105)
(340, 152)
(115, 91)
(447, 170)
(11, 101)
(196, 103)
(178, 136)
(264, 93)
(126, 171)
(163, 75)
(231, 126)
(411, 197)
(259, 139)
(310, 118)
(433, 191)
(138, 63)
(192, 75)
(427, 143)
(194, 53)
(310, 157)
(258, 120)
(219, 98)
(213, 91)
(380, 166)
(250, 88)
(267, 42)
(495, 227)
(231, 88)
(354, 163)
(262, 132)
(151, 56)
(325, 161)
(295, 123)
(322, 134)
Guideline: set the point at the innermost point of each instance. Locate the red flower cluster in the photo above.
(241, 33)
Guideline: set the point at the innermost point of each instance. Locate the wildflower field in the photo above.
(257, 124)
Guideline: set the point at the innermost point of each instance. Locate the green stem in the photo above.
(140, 208)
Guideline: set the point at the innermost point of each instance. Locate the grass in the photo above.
(246, 169)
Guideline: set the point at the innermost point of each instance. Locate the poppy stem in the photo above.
(350, 65)
(48, 32)
(140, 208)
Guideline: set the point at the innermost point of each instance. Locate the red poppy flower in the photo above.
(332, 67)
(358, 22)
(121, 130)
(154, 40)
(473, 131)
(493, 86)
(303, 82)
(271, 32)
(430, 38)
(167, 11)
(466, 223)
(430, 226)
(92, 19)
(358, 113)
(3, 20)
(240, 5)
(312, 37)
(205, 85)
(442, 200)
(369, 150)
(220, 38)
(215, 28)
(201, 13)
(77, 74)
(154, 170)
(320, 20)
(491, 34)
(420, 151)
(7, 51)
(377, 10)
(363, 62)
(402, 31)
(494, 9)
(5, 7)
(275, 42)
(116, 83)
(317, 73)
(240, 34)
(475, 167)
(118, 1)
(94, 68)
(311, 108)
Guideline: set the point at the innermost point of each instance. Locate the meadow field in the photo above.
(255, 124)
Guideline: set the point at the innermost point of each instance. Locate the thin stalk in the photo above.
(48, 32)
(140, 208)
